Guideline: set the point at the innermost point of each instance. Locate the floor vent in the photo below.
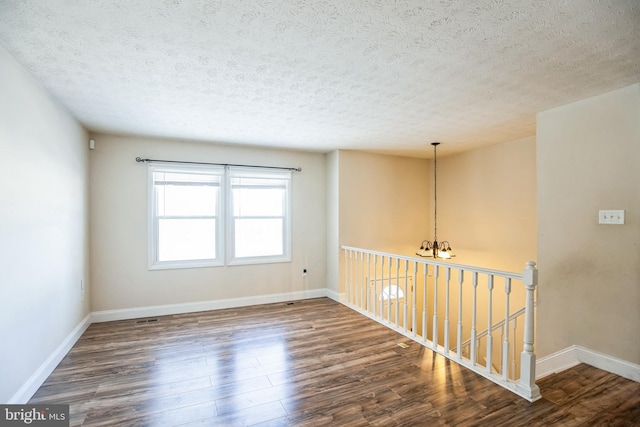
(138, 322)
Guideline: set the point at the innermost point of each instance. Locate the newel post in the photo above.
(526, 386)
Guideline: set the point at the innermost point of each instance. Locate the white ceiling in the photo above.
(376, 75)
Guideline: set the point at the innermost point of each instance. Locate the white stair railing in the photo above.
(416, 297)
(508, 371)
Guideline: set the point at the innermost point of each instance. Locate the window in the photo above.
(208, 216)
(185, 224)
(259, 217)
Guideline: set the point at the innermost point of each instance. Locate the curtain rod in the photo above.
(141, 160)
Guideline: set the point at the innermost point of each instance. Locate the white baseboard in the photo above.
(163, 310)
(340, 297)
(557, 362)
(610, 364)
(574, 355)
(34, 382)
(333, 295)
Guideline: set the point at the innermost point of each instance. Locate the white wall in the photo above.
(588, 159)
(43, 225)
(119, 271)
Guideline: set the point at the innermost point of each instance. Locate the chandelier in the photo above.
(435, 249)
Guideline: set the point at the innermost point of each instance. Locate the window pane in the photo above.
(258, 202)
(178, 200)
(258, 237)
(186, 239)
(186, 177)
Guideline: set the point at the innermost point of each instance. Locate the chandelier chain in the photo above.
(435, 194)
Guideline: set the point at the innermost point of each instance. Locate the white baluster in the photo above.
(474, 330)
(514, 354)
(389, 290)
(490, 324)
(361, 282)
(425, 270)
(526, 384)
(371, 285)
(367, 279)
(352, 278)
(346, 275)
(397, 291)
(366, 292)
(414, 289)
(505, 342)
(382, 301)
(352, 272)
(405, 312)
(356, 282)
(459, 338)
(446, 311)
(435, 306)
(375, 284)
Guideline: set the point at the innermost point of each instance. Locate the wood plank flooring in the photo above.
(306, 363)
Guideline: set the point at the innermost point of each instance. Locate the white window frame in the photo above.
(153, 222)
(225, 238)
(284, 175)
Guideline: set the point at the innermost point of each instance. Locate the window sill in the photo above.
(175, 265)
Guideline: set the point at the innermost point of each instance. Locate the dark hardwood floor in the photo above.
(307, 363)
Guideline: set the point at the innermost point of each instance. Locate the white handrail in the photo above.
(439, 263)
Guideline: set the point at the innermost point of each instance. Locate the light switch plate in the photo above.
(610, 216)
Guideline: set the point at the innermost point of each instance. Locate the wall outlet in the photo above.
(304, 272)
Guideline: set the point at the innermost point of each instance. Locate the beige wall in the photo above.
(119, 228)
(43, 225)
(487, 205)
(588, 159)
(383, 202)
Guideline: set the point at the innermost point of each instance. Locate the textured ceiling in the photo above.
(376, 75)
